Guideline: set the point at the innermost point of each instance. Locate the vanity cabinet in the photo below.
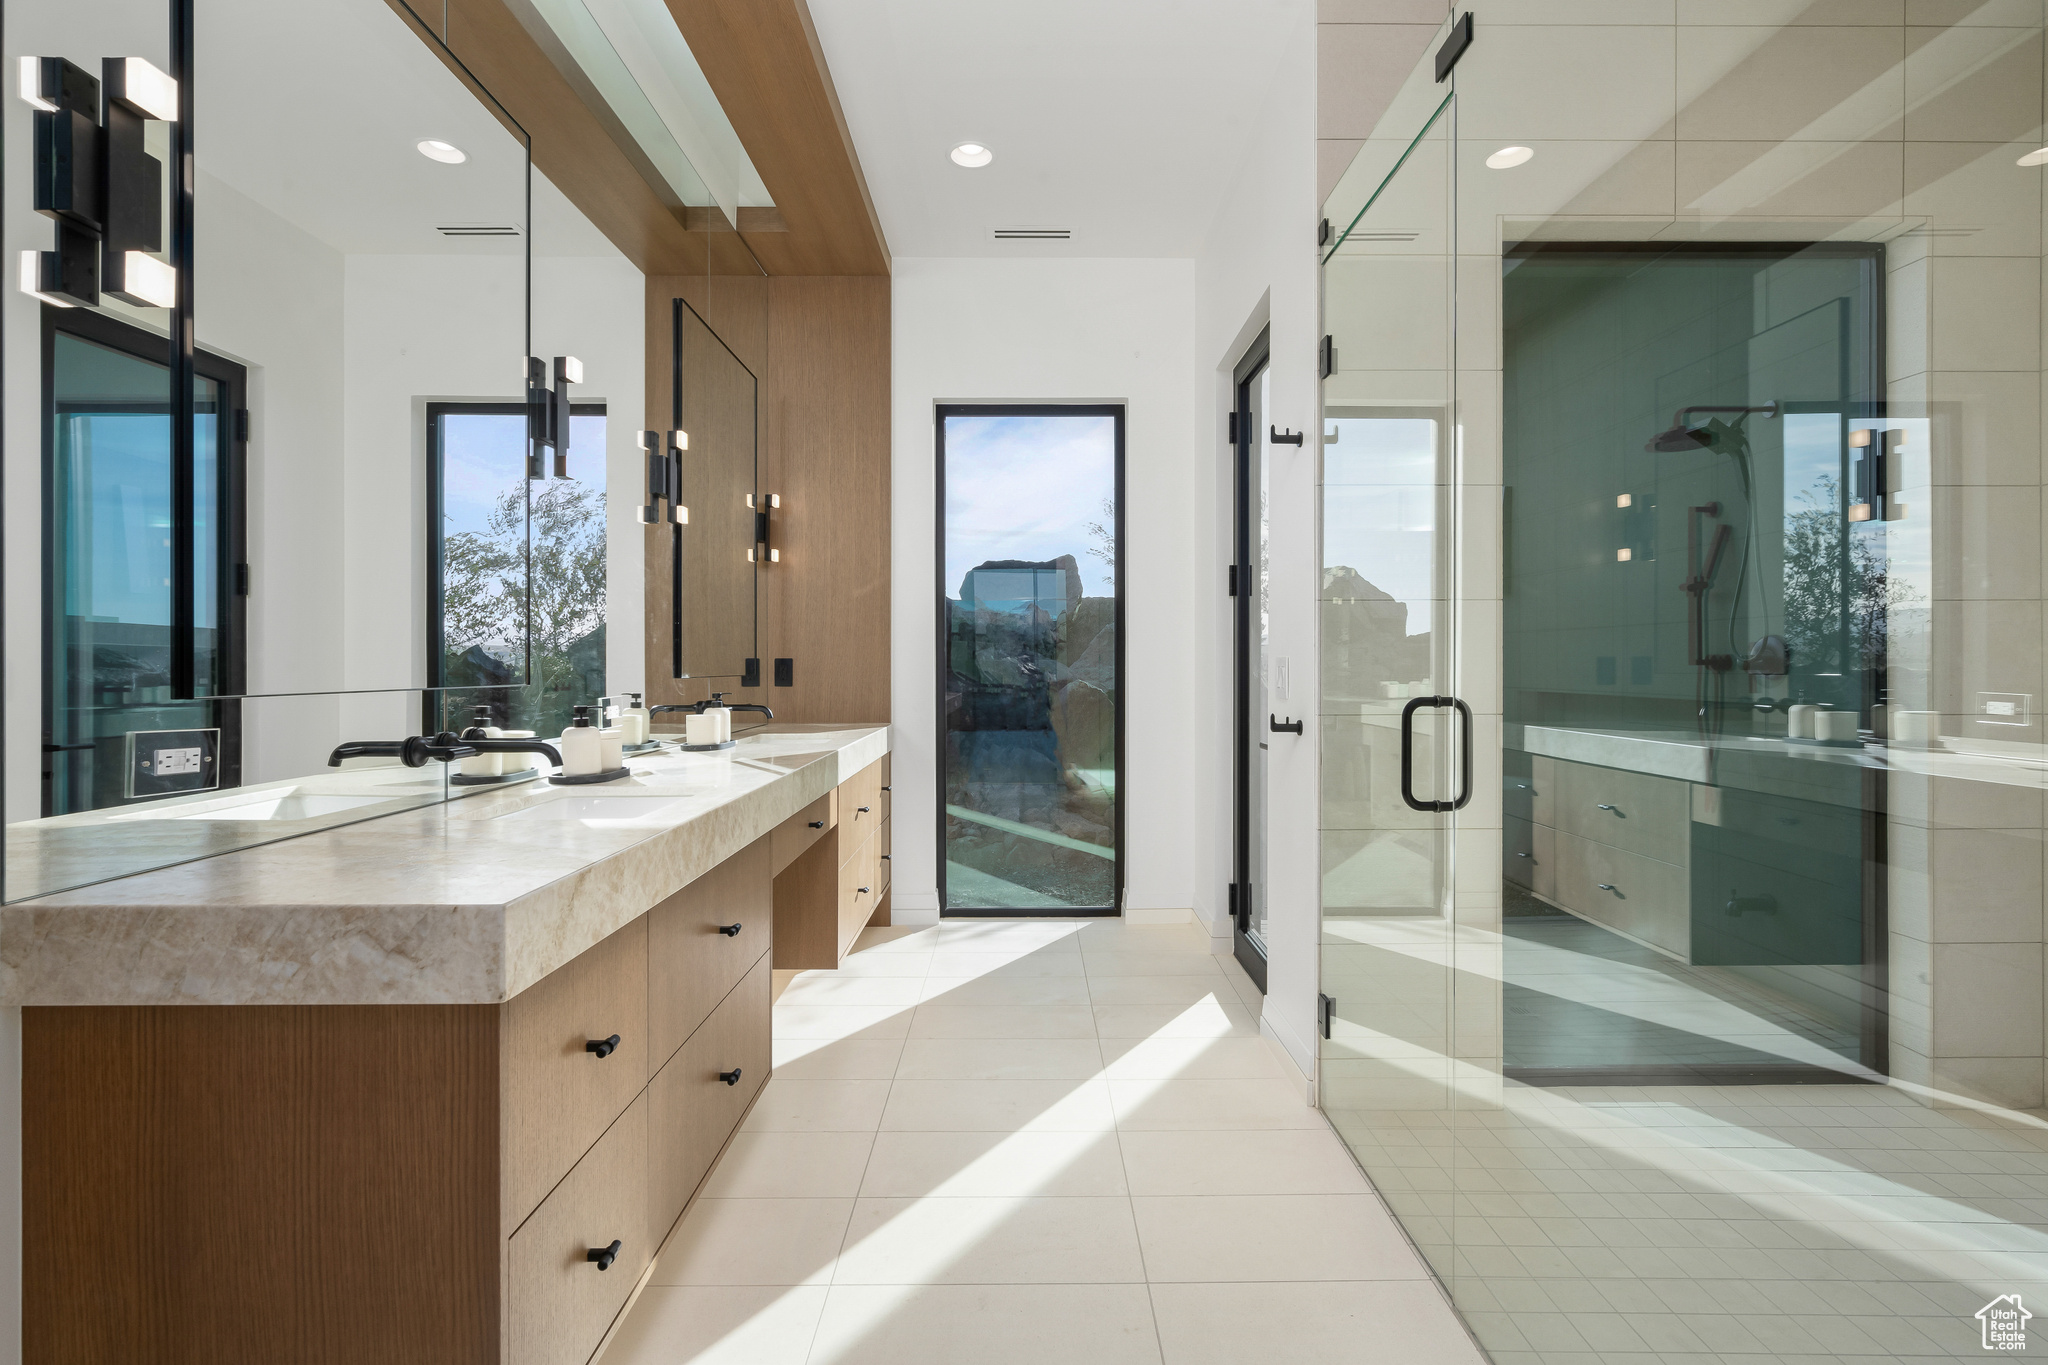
(1609, 844)
(839, 883)
(388, 1184)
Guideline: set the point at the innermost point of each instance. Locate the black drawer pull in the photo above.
(602, 1257)
(860, 891)
(1606, 886)
(731, 1077)
(863, 810)
(885, 857)
(817, 824)
(602, 1048)
(729, 930)
(885, 789)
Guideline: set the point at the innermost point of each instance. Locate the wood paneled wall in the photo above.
(820, 347)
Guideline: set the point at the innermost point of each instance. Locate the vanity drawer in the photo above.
(803, 829)
(1634, 811)
(1649, 900)
(691, 964)
(883, 862)
(859, 893)
(1529, 856)
(690, 1109)
(558, 1095)
(560, 1302)
(860, 808)
(887, 782)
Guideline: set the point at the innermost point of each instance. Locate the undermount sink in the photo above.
(599, 812)
(287, 805)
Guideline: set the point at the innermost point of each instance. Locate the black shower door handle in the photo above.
(1408, 754)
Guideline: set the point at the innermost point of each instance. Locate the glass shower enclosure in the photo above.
(1682, 633)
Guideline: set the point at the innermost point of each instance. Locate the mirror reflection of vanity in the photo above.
(339, 521)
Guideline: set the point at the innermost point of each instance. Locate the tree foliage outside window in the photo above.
(1831, 587)
(487, 613)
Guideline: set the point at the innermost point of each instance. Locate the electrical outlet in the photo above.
(174, 762)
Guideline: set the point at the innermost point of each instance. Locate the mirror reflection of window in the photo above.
(112, 564)
(487, 519)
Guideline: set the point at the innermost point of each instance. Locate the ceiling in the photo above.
(1124, 121)
(336, 154)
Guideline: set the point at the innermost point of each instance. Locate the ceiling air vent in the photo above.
(1032, 234)
(477, 230)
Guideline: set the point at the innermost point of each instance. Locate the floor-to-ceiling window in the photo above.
(1030, 658)
(489, 524)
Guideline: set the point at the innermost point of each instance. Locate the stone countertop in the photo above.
(1688, 757)
(446, 904)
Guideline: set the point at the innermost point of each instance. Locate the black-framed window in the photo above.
(516, 569)
(122, 525)
(1031, 641)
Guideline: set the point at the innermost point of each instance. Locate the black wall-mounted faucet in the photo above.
(482, 743)
(698, 708)
(413, 752)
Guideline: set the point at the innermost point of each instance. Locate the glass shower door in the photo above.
(1397, 733)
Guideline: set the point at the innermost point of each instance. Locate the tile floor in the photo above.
(1031, 1141)
(1685, 1225)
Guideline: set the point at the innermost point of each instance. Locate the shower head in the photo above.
(1680, 437)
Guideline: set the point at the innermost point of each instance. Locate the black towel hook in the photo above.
(1283, 438)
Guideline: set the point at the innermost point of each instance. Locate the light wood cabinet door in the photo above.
(860, 808)
(692, 961)
(561, 1302)
(859, 894)
(559, 1095)
(887, 866)
(1638, 812)
(691, 1108)
(803, 829)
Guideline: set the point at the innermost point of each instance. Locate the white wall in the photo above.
(1257, 268)
(978, 330)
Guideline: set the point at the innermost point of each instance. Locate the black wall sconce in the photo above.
(94, 178)
(547, 413)
(664, 478)
(763, 504)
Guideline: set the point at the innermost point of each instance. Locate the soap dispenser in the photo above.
(483, 765)
(582, 750)
(635, 721)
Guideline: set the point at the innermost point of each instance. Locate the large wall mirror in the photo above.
(706, 580)
(260, 435)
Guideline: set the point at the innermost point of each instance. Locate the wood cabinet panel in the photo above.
(860, 809)
(561, 1302)
(1628, 810)
(885, 863)
(858, 894)
(803, 829)
(1642, 897)
(691, 1111)
(691, 964)
(558, 1095)
(314, 1184)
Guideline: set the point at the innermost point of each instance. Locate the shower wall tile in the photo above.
(1987, 1001)
(1776, 13)
(1778, 84)
(1619, 76)
(1986, 885)
(1972, 83)
(1984, 313)
(1987, 426)
(1824, 179)
(1987, 543)
(1973, 196)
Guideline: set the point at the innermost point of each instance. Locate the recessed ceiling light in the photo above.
(972, 154)
(436, 150)
(2037, 158)
(1508, 157)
